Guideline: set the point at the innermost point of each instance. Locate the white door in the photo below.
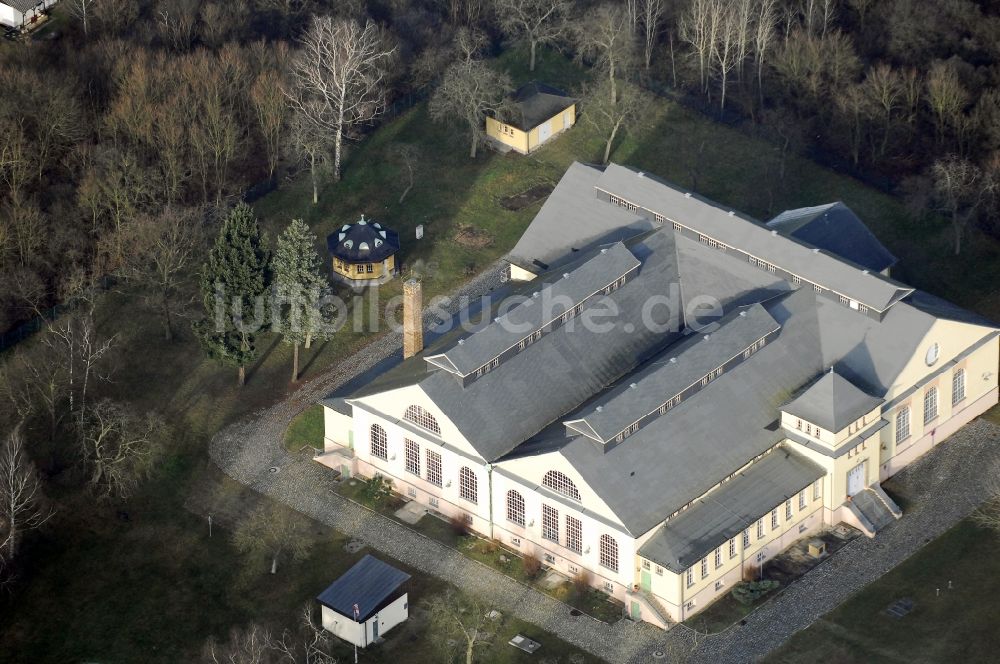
(565, 119)
(544, 132)
(856, 479)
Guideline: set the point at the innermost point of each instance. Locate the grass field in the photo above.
(959, 624)
(154, 587)
(306, 430)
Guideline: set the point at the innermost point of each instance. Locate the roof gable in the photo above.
(832, 402)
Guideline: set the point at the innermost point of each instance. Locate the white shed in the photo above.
(20, 13)
(366, 602)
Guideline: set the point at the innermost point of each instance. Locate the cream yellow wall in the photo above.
(559, 124)
(953, 339)
(520, 274)
(378, 269)
(830, 439)
(517, 139)
(337, 429)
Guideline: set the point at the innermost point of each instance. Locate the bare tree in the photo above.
(988, 514)
(82, 353)
(651, 19)
(271, 532)
(534, 21)
(250, 645)
(338, 77)
(460, 618)
(310, 144)
(119, 448)
(31, 381)
(406, 155)
(81, 10)
(271, 109)
(697, 27)
(310, 644)
(163, 250)
(613, 120)
(765, 31)
(22, 504)
(883, 86)
(469, 92)
(960, 189)
(604, 36)
(946, 97)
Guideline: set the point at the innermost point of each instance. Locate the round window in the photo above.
(932, 354)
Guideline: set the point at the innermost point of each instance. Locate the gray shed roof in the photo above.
(537, 102)
(832, 402)
(573, 220)
(578, 284)
(368, 584)
(744, 233)
(835, 228)
(689, 361)
(730, 509)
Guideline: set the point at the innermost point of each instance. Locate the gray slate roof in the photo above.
(22, 5)
(744, 233)
(688, 362)
(835, 228)
(381, 241)
(577, 284)
(832, 402)
(573, 220)
(537, 102)
(730, 509)
(368, 584)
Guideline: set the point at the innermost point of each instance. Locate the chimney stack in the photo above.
(413, 329)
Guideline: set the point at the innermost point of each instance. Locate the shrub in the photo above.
(751, 573)
(376, 491)
(531, 564)
(749, 592)
(458, 525)
(582, 582)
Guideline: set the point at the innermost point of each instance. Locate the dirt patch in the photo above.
(471, 237)
(526, 198)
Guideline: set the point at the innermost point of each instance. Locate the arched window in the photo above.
(902, 424)
(609, 553)
(422, 418)
(467, 485)
(515, 507)
(930, 404)
(379, 442)
(560, 484)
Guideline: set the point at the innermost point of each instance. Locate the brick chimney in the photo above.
(413, 330)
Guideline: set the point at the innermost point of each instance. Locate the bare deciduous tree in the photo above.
(651, 20)
(960, 189)
(271, 532)
(81, 10)
(22, 504)
(119, 447)
(469, 91)
(946, 97)
(250, 645)
(604, 36)
(338, 77)
(534, 21)
(883, 86)
(310, 143)
(271, 109)
(455, 617)
(81, 353)
(310, 644)
(408, 156)
(613, 120)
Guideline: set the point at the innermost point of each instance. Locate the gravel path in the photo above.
(944, 487)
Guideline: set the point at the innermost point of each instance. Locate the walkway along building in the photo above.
(751, 389)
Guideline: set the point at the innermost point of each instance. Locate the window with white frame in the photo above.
(559, 483)
(550, 559)
(704, 567)
(433, 467)
(746, 538)
(788, 509)
(609, 587)
(930, 404)
(379, 442)
(720, 584)
(802, 499)
(574, 534)
(958, 387)
(609, 552)
(732, 548)
(760, 528)
(761, 555)
(419, 416)
(774, 519)
(659, 571)
(433, 502)
(902, 424)
(412, 457)
(515, 507)
(718, 558)
(550, 523)
(646, 565)
(468, 485)
(817, 489)
(515, 541)
(690, 577)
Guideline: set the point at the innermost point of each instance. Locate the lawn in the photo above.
(306, 430)
(956, 623)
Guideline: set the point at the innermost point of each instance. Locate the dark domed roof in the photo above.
(365, 241)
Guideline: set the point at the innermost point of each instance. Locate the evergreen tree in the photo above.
(233, 284)
(300, 288)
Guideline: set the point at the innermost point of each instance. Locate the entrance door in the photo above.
(566, 120)
(636, 611)
(375, 629)
(856, 479)
(544, 132)
(645, 581)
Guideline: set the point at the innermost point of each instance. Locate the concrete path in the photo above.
(944, 487)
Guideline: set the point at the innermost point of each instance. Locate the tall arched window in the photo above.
(609, 553)
(515, 507)
(422, 418)
(930, 404)
(467, 485)
(379, 442)
(560, 484)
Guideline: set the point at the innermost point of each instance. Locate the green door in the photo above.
(636, 611)
(646, 581)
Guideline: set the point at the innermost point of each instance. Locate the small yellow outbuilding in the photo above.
(541, 112)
